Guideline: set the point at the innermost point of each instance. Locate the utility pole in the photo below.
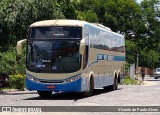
(137, 66)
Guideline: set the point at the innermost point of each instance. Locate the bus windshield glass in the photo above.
(54, 56)
(55, 32)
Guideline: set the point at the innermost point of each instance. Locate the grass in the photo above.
(128, 81)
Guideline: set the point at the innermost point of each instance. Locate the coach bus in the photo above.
(72, 56)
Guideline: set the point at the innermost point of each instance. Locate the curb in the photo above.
(11, 90)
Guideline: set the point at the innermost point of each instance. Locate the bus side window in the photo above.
(85, 57)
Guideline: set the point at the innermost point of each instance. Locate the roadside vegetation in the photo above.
(15, 82)
(140, 23)
(128, 81)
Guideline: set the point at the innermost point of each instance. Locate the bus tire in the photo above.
(112, 87)
(44, 94)
(91, 88)
(115, 84)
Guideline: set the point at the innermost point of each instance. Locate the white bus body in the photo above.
(73, 56)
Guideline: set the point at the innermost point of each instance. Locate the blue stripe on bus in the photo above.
(119, 58)
(108, 58)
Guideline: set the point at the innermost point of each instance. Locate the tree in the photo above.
(89, 16)
(86, 11)
(150, 58)
(69, 8)
(17, 15)
(151, 38)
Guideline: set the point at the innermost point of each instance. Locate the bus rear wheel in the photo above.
(45, 94)
(115, 85)
(112, 87)
(90, 88)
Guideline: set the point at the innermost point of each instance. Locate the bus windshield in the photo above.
(55, 32)
(55, 56)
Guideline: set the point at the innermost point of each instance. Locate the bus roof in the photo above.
(61, 22)
(66, 22)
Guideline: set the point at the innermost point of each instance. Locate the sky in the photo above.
(139, 1)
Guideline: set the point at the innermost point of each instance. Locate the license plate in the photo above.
(51, 87)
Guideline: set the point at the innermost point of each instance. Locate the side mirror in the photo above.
(19, 46)
(82, 46)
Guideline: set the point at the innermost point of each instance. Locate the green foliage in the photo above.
(17, 81)
(128, 81)
(131, 48)
(17, 15)
(9, 63)
(149, 44)
(89, 16)
(7, 60)
(87, 10)
(150, 58)
(69, 8)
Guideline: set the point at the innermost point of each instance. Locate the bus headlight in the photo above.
(72, 79)
(32, 78)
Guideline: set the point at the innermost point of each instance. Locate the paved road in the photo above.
(126, 95)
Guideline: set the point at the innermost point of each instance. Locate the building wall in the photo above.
(148, 71)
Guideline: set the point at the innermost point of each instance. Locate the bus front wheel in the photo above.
(45, 94)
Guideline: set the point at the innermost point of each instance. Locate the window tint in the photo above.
(55, 32)
(158, 70)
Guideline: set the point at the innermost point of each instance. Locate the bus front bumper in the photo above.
(74, 86)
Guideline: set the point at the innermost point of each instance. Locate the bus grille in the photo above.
(51, 81)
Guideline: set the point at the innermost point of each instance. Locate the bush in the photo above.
(8, 61)
(128, 81)
(17, 81)
(9, 64)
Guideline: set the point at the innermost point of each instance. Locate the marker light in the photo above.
(72, 79)
(32, 78)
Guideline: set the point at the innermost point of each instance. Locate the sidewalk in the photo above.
(146, 77)
(148, 80)
(149, 83)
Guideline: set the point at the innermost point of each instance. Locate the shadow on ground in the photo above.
(70, 96)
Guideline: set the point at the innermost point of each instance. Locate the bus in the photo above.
(72, 56)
